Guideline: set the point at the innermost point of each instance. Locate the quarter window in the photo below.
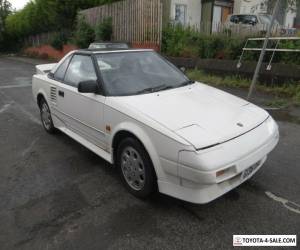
(60, 72)
(81, 68)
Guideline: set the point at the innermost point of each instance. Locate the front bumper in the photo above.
(198, 181)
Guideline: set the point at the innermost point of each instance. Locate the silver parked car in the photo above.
(256, 23)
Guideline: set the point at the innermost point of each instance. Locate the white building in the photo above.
(290, 18)
(186, 12)
(285, 17)
(205, 13)
(250, 7)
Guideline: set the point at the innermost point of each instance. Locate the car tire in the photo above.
(135, 168)
(46, 117)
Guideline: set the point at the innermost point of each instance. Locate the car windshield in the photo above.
(138, 72)
(266, 19)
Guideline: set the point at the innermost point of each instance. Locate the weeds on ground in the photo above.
(285, 94)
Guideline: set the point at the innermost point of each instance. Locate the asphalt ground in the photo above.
(55, 194)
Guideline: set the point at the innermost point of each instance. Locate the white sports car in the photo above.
(161, 130)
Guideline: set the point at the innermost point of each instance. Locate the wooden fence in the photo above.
(39, 39)
(135, 21)
(237, 30)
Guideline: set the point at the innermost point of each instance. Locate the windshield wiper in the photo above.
(188, 82)
(154, 89)
(163, 87)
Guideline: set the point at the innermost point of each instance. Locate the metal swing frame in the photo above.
(274, 50)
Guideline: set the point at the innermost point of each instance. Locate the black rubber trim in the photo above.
(217, 144)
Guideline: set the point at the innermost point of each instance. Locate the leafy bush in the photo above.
(43, 56)
(58, 41)
(84, 33)
(185, 42)
(104, 30)
(32, 54)
(178, 40)
(288, 90)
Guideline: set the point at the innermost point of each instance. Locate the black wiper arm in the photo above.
(164, 87)
(147, 90)
(153, 89)
(188, 82)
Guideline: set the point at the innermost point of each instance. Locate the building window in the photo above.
(180, 13)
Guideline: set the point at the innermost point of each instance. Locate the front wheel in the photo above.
(135, 168)
(46, 117)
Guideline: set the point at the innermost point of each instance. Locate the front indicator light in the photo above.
(226, 174)
(219, 173)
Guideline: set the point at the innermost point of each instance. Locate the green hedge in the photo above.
(104, 30)
(84, 33)
(185, 42)
(59, 40)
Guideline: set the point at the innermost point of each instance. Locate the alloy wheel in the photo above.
(133, 168)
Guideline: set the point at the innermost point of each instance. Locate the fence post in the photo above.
(263, 51)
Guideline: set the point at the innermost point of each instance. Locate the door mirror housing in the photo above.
(88, 87)
(51, 75)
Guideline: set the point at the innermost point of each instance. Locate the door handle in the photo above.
(61, 93)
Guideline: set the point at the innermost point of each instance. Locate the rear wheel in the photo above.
(46, 117)
(135, 168)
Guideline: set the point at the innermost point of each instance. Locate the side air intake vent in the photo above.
(53, 94)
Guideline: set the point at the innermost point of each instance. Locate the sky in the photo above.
(18, 4)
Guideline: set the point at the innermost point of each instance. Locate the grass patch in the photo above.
(285, 94)
(278, 103)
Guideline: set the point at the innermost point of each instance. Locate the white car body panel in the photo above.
(44, 69)
(78, 110)
(194, 104)
(172, 125)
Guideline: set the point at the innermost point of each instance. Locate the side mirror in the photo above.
(51, 75)
(183, 69)
(88, 87)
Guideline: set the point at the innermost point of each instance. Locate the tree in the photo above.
(40, 16)
(5, 10)
(104, 30)
(286, 5)
(47, 15)
(84, 34)
(67, 10)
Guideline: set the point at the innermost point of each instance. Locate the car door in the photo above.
(82, 113)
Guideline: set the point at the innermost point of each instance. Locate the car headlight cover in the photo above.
(271, 125)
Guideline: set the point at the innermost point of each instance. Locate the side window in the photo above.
(250, 19)
(81, 68)
(234, 19)
(60, 72)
